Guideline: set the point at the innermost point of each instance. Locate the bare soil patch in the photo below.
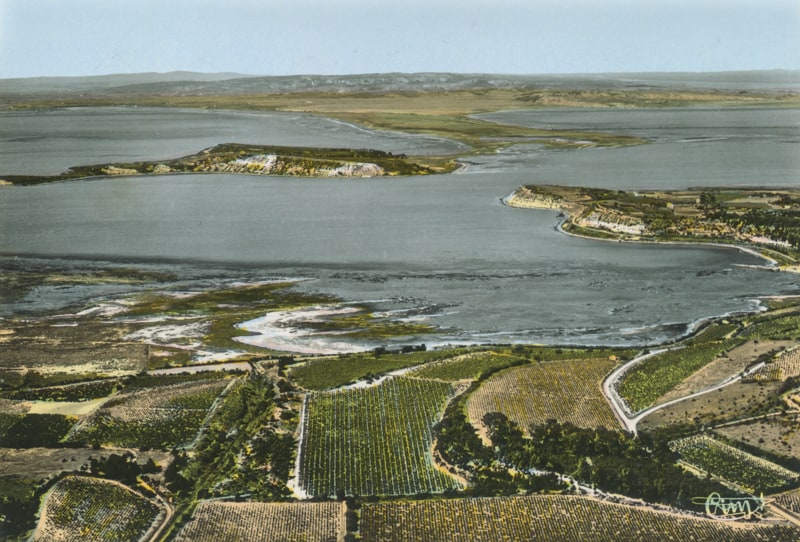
(729, 403)
(70, 347)
(42, 463)
(778, 434)
(723, 367)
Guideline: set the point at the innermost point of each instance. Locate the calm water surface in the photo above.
(688, 147)
(441, 248)
(48, 142)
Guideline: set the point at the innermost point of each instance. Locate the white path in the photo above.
(631, 419)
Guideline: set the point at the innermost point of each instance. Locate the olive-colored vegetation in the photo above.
(222, 308)
(648, 381)
(220, 311)
(452, 364)
(149, 381)
(741, 469)
(471, 366)
(782, 326)
(565, 391)
(34, 430)
(293, 161)
(441, 113)
(548, 517)
(82, 508)
(244, 450)
(483, 136)
(162, 417)
(215, 521)
(273, 295)
(331, 372)
(767, 220)
(364, 325)
(642, 385)
(247, 449)
(373, 425)
(82, 391)
(613, 461)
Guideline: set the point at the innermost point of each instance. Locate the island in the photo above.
(254, 160)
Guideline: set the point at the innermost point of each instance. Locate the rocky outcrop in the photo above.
(114, 170)
(273, 164)
(606, 220)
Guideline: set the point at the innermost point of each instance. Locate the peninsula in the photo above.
(763, 220)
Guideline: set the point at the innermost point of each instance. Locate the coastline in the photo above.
(568, 217)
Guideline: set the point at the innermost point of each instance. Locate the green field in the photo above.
(374, 440)
(467, 366)
(161, 417)
(751, 473)
(642, 385)
(82, 508)
(326, 373)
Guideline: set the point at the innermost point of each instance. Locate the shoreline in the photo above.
(771, 264)
(282, 330)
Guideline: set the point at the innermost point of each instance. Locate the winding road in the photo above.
(631, 419)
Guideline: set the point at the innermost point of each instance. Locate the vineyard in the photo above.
(548, 517)
(329, 373)
(785, 327)
(33, 430)
(82, 391)
(161, 417)
(82, 508)
(278, 522)
(567, 391)
(751, 473)
(786, 365)
(642, 385)
(373, 441)
(465, 367)
(145, 381)
(789, 501)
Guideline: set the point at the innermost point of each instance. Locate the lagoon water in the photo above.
(687, 147)
(50, 141)
(440, 248)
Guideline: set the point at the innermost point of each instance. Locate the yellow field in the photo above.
(236, 521)
(548, 518)
(567, 391)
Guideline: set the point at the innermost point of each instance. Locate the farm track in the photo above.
(630, 420)
(211, 411)
(169, 515)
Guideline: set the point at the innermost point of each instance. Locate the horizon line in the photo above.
(237, 75)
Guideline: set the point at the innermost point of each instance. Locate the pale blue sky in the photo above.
(277, 37)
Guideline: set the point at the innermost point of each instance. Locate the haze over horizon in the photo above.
(41, 38)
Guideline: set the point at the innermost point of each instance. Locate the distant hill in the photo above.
(190, 83)
(51, 85)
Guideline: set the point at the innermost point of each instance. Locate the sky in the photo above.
(285, 37)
